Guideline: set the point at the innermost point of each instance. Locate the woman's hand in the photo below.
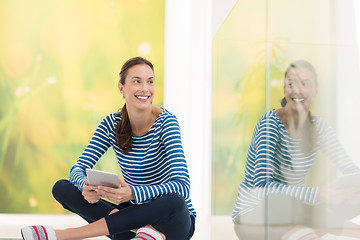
(89, 192)
(116, 195)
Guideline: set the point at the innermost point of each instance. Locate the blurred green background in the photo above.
(59, 65)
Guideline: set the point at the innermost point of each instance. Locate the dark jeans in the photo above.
(168, 214)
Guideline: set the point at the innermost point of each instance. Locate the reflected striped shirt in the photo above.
(275, 163)
(155, 166)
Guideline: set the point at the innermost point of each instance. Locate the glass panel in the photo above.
(291, 161)
(238, 79)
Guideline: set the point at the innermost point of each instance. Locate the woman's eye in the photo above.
(150, 81)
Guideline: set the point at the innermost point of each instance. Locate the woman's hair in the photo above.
(296, 64)
(123, 131)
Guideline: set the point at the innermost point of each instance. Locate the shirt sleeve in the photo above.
(98, 145)
(178, 177)
(333, 150)
(266, 141)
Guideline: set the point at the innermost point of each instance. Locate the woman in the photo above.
(283, 148)
(153, 201)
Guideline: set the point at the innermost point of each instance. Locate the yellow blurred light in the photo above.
(19, 92)
(144, 49)
(52, 80)
(32, 201)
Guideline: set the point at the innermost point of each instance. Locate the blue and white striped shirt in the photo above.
(275, 163)
(155, 166)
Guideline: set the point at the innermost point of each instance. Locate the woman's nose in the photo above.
(144, 87)
(297, 88)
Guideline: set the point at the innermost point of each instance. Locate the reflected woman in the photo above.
(283, 148)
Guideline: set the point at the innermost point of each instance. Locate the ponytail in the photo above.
(123, 132)
(310, 136)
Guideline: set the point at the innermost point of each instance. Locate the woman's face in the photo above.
(300, 89)
(138, 89)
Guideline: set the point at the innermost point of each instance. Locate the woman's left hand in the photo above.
(116, 195)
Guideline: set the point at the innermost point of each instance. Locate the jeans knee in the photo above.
(176, 201)
(60, 189)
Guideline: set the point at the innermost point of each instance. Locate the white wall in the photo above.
(189, 29)
(348, 75)
(187, 92)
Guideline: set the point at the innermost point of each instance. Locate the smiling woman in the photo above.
(154, 197)
(282, 150)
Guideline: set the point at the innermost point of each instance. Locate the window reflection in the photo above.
(273, 201)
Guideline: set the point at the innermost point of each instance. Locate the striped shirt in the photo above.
(275, 163)
(155, 166)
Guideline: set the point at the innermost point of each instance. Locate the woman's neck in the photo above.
(141, 121)
(293, 120)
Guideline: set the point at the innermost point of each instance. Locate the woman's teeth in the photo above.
(298, 99)
(141, 97)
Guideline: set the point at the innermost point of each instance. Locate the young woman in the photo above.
(153, 201)
(282, 150)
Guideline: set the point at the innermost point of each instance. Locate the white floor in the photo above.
(215, 228)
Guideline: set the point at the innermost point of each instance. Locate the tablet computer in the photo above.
(102, 178)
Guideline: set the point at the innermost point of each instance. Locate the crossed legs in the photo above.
(167, 214)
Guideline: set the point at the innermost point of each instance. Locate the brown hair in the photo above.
(123, 131)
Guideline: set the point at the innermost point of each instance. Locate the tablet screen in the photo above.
(102, 178)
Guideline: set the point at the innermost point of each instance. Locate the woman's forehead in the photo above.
(300, 73)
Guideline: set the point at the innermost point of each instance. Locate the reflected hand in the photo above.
(335, 196)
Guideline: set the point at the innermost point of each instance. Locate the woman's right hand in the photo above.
(89, 192)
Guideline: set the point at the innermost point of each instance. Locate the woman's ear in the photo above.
(121, 87)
